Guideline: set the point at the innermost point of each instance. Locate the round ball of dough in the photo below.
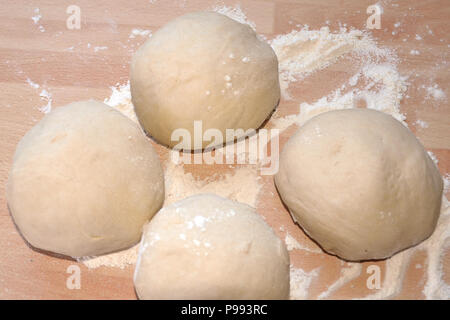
(209, 247)
(360, 184)
(84, 181)
(203, 66)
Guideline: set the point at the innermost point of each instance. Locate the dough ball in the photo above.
(209, 247)
(84, 181)
(203, 66)
(360, 184)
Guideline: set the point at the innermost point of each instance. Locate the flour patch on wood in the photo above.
(294, 244)
(242, 185)
(300, 282)
(139, 33)
(349, 272)
(120, 99)
(37, 16)
(435, 92)
(236, 14)
(45, 96)
(121, 259)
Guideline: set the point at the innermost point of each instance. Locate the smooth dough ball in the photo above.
(360, 184)
(203, 66)
(209, 247)
(84, 181)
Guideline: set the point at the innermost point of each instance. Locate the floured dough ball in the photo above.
(84, 181)
(203, 66)
(209, 247)
(360, 184)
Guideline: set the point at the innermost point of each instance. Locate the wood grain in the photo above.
(45, 58)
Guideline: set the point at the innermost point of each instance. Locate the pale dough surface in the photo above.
(360, 184)
(84, 181)
(203, 66)
(209, 247)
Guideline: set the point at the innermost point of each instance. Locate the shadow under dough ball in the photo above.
(209, 247)
(84, 181)
(206, 67)
(360, 184)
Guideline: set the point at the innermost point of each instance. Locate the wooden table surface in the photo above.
(67, 64)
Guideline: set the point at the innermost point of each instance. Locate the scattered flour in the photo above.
(100, 48)
(140, 32)
(300, 282)
(242, 185)
(235, 13)
(435, 92)
(447, 183)
(350, 272)
(120, 259)
(121, 100)
(435, 287)
(383, 91)
(304, 51)
(32, 84)
(421, 123)
(433, 157)
(36, 18)
(45, 96)
(293, 244)
(395, 270)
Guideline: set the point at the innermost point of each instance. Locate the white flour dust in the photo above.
(44, 95)
(36, 18)
(121, 100)
(100, 48)
(121, 259)
(140, 33)
(349, 272)
(243, 185)
(435, 92)
(304, 51)
(293, 244)
(377, 82)
(300, 282)
(235, 13)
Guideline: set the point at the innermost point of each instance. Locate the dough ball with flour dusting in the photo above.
(203, 66)
(360, 184)
(84, 181)
(209, 247)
